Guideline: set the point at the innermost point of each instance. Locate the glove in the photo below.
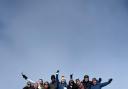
(110, 80)
(71, 76)
(57, 71)
(24, 76)
(100, 79)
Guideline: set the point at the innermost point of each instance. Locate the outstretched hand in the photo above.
(71, 76)
(100, 79)
(57, 71)
(110, 80)
(24, 76)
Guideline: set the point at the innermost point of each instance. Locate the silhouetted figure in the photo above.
(54, 81)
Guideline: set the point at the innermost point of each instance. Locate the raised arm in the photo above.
(71, 76)
(100, 79)
(106, 83)
(57, 78)
(26, 78)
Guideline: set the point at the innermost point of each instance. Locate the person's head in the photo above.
(53, 78)
(40, 81)
(46, 85)
(71, 82)
(63, 80)
(78, 82)
(28, 84)
(36, 85)
(94, 81)
(86, 78)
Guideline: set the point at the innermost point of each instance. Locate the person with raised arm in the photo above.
(87, 83)
(97, 85)
(54, 84)
(72, 84)
(26, 78)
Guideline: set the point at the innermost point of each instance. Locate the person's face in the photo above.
(46, 85)
(78, 82)
(63, 80)
(94, 82)
(40, 82)
(36, 85)
(86, 79)
(53, 79)
(29, 84)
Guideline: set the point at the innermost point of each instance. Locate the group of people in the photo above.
(62, 84)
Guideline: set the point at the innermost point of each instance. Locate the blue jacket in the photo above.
(59, 84)
(63, 85)
(99, 85)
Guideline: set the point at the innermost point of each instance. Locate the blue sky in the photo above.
(38, 37)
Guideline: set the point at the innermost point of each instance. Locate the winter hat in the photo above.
(86, 76)
(93, 79)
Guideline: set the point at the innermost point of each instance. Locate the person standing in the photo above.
(63, 83)
(86, 83)
(54, 81)
(97, 85)
(40, 84)
(79, 84)
(46, 85)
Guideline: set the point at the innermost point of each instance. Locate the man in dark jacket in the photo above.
(54, 81)
(87, 84)
(53, 84)
(97, 85)
(72, 84)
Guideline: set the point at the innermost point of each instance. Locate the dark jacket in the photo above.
(62, 85)
(99, 85)
(87, 85)
(53, 85)
(72, 86)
